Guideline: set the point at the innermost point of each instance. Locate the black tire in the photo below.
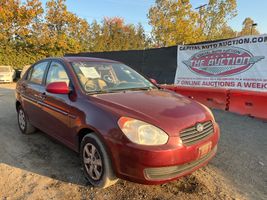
(105, 176)
(27, 128)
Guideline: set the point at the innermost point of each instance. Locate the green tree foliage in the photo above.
(216, 16)
(66, 31)
(248, 28)
(176, 22)
(173, 22)
(28, 33)
(113, 35)
(226, 33)
(16, 22)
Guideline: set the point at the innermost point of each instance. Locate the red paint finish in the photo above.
(65, 113)
(58, 88)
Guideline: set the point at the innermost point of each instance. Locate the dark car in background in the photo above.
(122, 124)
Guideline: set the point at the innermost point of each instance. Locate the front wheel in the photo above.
(96, 162)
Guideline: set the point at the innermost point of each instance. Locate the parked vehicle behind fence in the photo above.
(122, 124)
(7, 74)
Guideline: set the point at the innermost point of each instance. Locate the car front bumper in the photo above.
(164, 173)
(156, 165)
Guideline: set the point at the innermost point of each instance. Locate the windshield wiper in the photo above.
(103, 91)
(141, 88)
(120, 90)
(98, 92)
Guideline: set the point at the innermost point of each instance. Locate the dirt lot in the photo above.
(36, 167)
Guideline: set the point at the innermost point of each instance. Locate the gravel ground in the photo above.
(37, 167)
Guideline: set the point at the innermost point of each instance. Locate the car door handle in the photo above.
(23, 86)
(43, 96)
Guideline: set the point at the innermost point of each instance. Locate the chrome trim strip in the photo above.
(53, 108)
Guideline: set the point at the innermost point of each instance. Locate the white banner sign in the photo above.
(239, 63)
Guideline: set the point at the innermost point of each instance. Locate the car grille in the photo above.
(191, 135)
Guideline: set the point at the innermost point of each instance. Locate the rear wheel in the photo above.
(96, 162)
(23, 122)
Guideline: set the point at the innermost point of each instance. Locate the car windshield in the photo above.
(102, 77)
(4, 69)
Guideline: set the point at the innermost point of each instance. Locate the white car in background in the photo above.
(7, 74)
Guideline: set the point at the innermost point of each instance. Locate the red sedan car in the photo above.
(122, 124)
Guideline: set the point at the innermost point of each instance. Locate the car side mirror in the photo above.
(58, 88)
(153, 81)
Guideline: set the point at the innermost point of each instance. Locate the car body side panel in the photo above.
(31, 97)
(55, 109)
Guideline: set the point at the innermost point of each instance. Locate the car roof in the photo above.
(86, 59)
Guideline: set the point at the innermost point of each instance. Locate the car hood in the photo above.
(165, 109)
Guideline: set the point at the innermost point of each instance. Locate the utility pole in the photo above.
(202, 6)
(252, 26)
(200, 9)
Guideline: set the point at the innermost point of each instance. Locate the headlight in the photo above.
(140, 132)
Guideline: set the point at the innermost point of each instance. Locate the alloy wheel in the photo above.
(22, 120)
(92, 161)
